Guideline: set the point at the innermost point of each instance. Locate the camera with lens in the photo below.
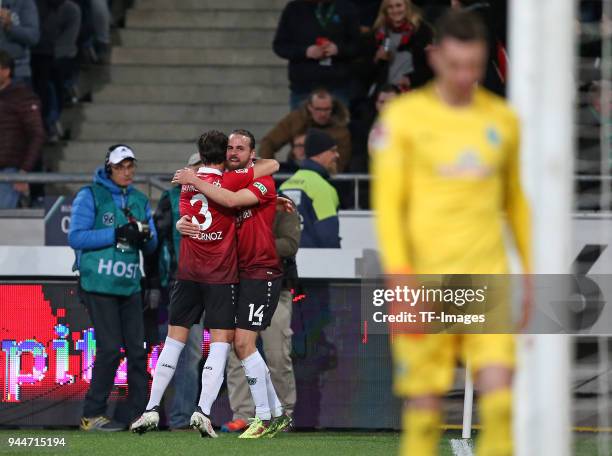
(133, 234)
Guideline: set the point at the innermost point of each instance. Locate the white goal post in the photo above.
(542, 89)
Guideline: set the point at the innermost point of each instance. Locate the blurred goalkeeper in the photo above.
(446, 171)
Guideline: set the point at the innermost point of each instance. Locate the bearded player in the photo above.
(260, 277)
(446, 172)
(206, 280)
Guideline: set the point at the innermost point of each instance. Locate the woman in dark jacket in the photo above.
(401, 38)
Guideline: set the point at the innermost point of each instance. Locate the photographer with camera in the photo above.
(110, 223)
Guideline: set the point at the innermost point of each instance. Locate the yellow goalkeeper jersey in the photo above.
(445, 181)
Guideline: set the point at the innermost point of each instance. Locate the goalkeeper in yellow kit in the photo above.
(446, 179)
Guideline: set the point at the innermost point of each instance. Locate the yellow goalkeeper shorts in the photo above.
(425, 364)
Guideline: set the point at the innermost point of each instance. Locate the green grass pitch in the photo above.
(189, 442)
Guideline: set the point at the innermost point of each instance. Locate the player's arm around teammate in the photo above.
(222, 196)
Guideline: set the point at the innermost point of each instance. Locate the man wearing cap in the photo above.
(160, 270)
(110, 223)
(316, 199)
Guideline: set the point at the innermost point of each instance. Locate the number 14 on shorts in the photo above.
(256, 314)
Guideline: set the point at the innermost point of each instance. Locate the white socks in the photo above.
(267, 404)
(256, 371)
(276, 408)
(212, 375)
(166, 364)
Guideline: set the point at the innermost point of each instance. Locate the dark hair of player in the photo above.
(212, 146)
(246, 133)
(460, 25)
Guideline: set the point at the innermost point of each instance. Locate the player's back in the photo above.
(209, 257)
(456, 168)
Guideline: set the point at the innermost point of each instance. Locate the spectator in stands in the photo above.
(19, 31)
(432, 9)
(118, 10)
(317, 202)
(110, 224)
(160, 270)
(316, 199)
(319, 38)
(53, 58)
(361, 125)
(101, 20)
(401, 38)
(320, 111)
(94, 36)
(296, 155)
(367, 12)
(22, 134)
(276, 338)
(385, 94)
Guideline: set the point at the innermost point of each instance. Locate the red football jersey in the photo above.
(210, 257)
(257, 256)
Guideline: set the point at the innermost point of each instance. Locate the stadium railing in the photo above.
(161, 182)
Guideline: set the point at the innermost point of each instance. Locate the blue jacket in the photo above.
(81, 236)
(22, 35)
(317, 202)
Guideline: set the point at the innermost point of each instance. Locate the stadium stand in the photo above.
(175, 67)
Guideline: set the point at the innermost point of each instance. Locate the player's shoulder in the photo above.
(265, 185)
(206, 177)
(496, 105)
(408, 105)
(265, 180)
(409, 101)
(236, 172)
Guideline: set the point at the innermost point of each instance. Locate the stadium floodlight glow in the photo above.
(542, 89)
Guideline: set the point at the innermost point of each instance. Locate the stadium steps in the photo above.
(195, 39)
(177, 69)
(153, 157)
(195, 5)
(158, 132)
(202, 19)
(196, 57)
(260, 76)
(181, 113)
(192, 94)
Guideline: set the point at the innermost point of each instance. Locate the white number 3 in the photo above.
(203, 211)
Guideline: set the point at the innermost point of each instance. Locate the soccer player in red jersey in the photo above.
(206, 278)
(260, 276)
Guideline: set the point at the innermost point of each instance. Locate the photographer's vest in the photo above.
(175, 195)
(111, 270)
